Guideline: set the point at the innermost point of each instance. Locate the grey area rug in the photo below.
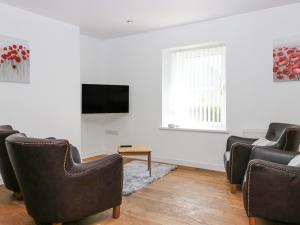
(136, 175)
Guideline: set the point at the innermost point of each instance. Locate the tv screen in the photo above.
(102, 98)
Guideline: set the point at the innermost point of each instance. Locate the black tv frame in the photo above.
(104, 109)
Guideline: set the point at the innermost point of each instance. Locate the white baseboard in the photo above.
(200, 165)
(93, 154)
(208, 166)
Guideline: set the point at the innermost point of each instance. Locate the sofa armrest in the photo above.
(235, 139)
(271, 191)
(239, 159)
(272, 155)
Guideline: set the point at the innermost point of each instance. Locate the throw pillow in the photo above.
(295, 161)
(263, 142)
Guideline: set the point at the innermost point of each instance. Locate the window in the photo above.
(193, 88)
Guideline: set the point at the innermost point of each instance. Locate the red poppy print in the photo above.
(14, 60)
(286, 66)
(12, 55)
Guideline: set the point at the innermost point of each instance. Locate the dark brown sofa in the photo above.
(55, 188)
(271, 188)
(238, 149)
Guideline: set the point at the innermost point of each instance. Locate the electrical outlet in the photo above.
(111, 132)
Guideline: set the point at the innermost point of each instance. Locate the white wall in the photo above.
(50, 104)
(253, 99)
(92, 71)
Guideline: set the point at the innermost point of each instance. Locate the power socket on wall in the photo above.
(111, 132)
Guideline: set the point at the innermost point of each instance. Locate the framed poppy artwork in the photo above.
(14, 60)
(286, 58)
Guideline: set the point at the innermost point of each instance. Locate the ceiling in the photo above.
(106, 19)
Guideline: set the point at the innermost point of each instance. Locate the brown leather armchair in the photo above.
(55, 188)
(271, 188)
(238, 149)
(6, 169)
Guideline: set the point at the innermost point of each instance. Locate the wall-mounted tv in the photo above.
(103, 98)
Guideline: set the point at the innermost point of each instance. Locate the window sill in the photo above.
(195, 130)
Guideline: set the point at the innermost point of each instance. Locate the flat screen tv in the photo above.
(103, 98)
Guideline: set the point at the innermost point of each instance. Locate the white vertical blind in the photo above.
(193, 88)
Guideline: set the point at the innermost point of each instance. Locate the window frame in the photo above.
(166, 67)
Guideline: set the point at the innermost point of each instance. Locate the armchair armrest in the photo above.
(239, 159)
(272, 155)
(6, 127)
(272, 191)
(74, 151)
(75, 154)
(92, 167)
(235, 139)
(292, 141)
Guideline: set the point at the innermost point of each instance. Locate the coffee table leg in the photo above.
(149, 163)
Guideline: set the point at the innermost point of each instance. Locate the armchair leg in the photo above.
(18, 195)
(116, 211)
(233, 188)
(252, 220)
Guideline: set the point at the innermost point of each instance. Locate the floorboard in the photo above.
(186, 196)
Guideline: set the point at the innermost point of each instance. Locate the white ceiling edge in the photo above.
(86, 32)
(187, 24)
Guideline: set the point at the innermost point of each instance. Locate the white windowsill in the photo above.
(195, 130)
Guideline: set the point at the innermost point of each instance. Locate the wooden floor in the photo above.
(185, 196)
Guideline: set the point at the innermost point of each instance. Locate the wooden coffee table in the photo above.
(137, 150)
